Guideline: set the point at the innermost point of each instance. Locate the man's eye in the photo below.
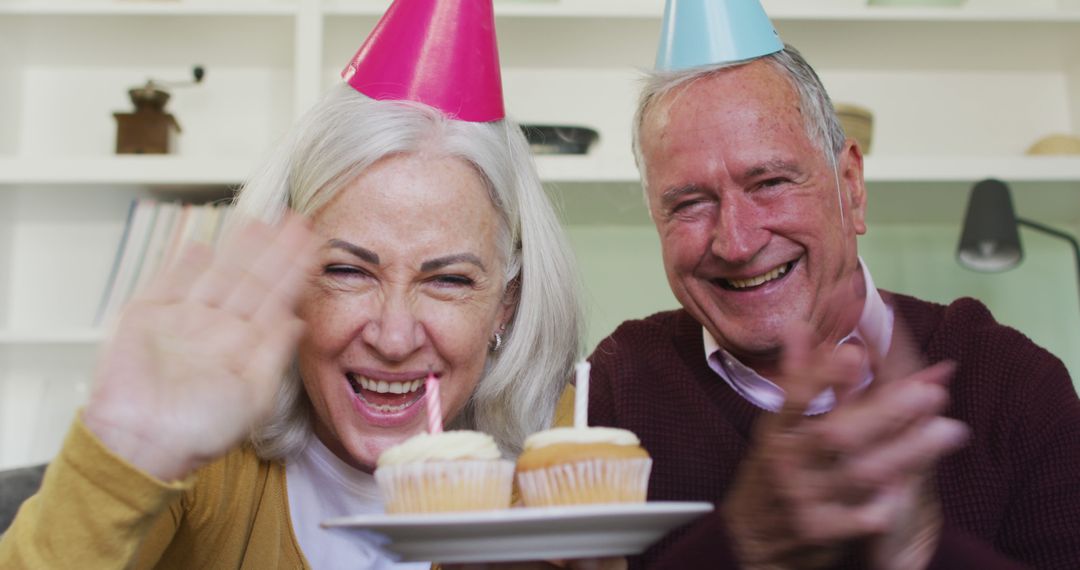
(774, 182)
(686, 204)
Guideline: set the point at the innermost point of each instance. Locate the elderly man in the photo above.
(768, 392)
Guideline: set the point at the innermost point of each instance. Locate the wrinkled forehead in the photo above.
(757, 92)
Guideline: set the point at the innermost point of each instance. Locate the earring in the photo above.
(496, 342)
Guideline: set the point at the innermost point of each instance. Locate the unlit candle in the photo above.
(581, 396)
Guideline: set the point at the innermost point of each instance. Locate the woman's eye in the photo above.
(344, 271)
(452, 280)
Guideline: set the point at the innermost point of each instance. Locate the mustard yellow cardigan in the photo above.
(94, 510)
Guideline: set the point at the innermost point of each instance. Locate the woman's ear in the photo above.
(509, 303)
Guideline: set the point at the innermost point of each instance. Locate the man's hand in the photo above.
(813, 487)
(196, 360)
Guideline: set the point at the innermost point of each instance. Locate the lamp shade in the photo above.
(990, 240)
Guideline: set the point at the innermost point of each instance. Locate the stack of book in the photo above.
(155, 234)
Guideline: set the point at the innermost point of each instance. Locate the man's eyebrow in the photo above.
(440, 262)
(770, 166)
(361, 252)
(669, 197)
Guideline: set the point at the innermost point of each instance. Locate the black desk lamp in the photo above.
(990, 240)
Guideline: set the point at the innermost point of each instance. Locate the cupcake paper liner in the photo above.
(444, 486)
(583, 482)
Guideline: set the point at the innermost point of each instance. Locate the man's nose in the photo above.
(395, 333)
(738, 232)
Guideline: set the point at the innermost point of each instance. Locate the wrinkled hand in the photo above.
(196, 360)
(813, 487)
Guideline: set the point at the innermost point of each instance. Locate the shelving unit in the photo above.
(958, 95)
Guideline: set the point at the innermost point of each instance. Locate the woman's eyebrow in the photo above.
(440, 262)
(361, 252)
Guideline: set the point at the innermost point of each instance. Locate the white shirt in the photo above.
(874, 330)
(322, 486)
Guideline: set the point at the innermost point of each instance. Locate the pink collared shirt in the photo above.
(874, 330)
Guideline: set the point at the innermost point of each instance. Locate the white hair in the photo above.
(347, 132)
(819, 117)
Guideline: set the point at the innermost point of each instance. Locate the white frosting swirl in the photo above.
(446, 446)
(581, 435)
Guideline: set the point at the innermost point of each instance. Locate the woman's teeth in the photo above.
(760, 279)
(384, 387)
(386, 392)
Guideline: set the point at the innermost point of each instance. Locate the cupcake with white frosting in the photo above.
(448, 471)
(572, 466)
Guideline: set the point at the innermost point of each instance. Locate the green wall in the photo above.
(624, 277)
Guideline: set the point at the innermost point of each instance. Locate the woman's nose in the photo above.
(395, 333)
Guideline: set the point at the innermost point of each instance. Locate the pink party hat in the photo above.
(438, 52)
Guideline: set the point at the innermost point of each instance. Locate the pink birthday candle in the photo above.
(434, 407)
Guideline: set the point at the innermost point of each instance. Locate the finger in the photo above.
(806, 371)
(913, 454)
(174, 283)
(798, 376)
(832, 522)
(232, 264)
(268, 360)
(849, 361)
(293, 265)
(866, 422)
(263, 274)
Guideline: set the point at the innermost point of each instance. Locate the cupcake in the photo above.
(572, 466)
(448, 471)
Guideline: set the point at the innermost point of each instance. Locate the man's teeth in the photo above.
(384, 387)
(755, 281)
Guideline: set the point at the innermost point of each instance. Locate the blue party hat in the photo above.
(708, 32)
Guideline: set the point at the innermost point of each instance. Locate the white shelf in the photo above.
(964, 169)
(145, 8)
(800, 10)
(180, 171)
(124, 170)
(88, 336)
(857, 14)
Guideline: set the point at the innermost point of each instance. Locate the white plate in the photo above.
(528, 533)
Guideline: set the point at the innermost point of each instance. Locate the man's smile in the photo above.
(756, 281)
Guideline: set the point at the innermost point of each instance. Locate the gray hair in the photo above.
(347, 132)
(819, 117)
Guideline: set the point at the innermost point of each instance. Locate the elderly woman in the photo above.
(247, 395)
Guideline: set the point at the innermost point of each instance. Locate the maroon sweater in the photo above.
(1011, 498)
